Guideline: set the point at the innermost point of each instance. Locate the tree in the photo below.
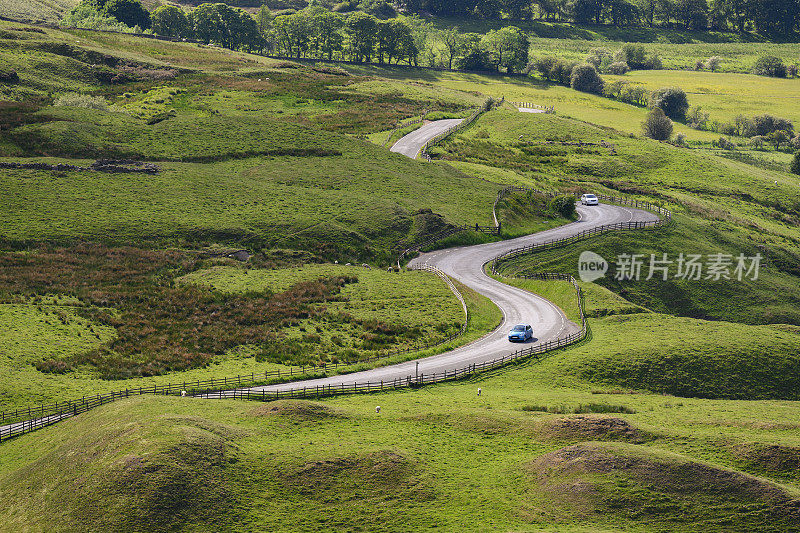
(326, 31)
(769, 66)
(390, 35)
(623, 13)
(361, 30)
(657, 125)
(170, 21)
(293, 34)
(672, 101)
(585, 78)
(587, 11)
(453, 42)
(227, 26)
(508, 48)
(86, 15)
(775, 17)
(778, 138)
(712, 63)
(693, 14)
(129, 12)
(476, 57)
(795, 168)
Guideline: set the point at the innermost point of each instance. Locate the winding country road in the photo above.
(411, 144)
(465, 264)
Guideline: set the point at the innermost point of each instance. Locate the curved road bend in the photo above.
(411, 144)
(466, 265)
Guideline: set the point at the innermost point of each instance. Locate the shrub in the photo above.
(599, 58)
(618, 68)
(796, 142)
(765, 124)
(671, 100)
(795, 168)
(87, 16)
(757, 142)
(564, 206)
(636, 58)
(712, 63)
(8, 75)
(657, 125)
(680, 140)
(724, 144)
(586, 79)
(699, 65)
(81, 100)
(769, 66)
(791, 71)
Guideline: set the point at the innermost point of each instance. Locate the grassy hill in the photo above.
(440, 457)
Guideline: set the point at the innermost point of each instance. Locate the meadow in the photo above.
(674, 414)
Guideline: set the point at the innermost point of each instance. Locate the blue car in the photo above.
(520, 333)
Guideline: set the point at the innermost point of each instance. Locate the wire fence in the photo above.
(401, 125)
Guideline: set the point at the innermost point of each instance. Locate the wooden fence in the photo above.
(551, 110)
(417, 380)
(665, 217)
(28, 419)
(487, 105)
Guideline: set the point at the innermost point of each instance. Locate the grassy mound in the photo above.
(663, 491)
(687, 357)
(591, 428)
(299, 410)
(114, 476)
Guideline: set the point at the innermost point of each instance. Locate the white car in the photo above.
(589, 199)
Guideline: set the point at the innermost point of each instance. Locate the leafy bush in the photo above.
(586, 79)
(795, 168)
(81, 100)
(769, 66)
(712, 63)
(724, 144)
(618, 68)
(8, 75)
(657, 125)
(765, 124)
(636, 58)
(671, 100)
(564, 205)
(796, 142)
(89, 17)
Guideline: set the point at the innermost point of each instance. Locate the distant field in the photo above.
(724, 96)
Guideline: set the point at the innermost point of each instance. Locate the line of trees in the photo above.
(774, 17)
(316, 33)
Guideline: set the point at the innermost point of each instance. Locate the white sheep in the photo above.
(479, 392)
(378, 409)
(183, 394)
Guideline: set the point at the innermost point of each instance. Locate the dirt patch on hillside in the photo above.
(665, 491)
(582, 427)
(298, 409)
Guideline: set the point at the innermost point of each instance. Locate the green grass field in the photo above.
(677, 413)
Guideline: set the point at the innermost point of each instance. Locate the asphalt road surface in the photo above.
(411, 144)
(466, 264)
